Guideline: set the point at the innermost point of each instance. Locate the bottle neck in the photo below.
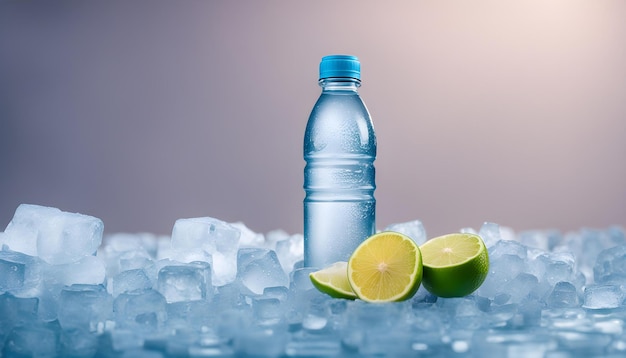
(339, 84)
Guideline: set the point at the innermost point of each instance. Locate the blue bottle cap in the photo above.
(340, 66)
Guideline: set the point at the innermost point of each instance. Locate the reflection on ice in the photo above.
(220, 289)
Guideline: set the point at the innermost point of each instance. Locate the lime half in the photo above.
(386, 267)
(455, 265)
(333, 281)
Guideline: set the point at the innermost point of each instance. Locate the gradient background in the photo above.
(142, 112)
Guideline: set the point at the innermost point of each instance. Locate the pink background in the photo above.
(142, 112)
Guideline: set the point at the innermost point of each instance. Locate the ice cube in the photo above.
(301, 294)
(544, 240)
(553, 267)
(524, 285)
(490, 233)
(363, 321)
(258, 269)
(564, 295)
(84, 306)
(129, 280)
(58, 237)
(290, 251)
(195, 255)
(12, 272)
(210, 236)
(32, 340)
(602, 297)
(267, 311)
(140, 309)
(610, 266)
(587, 244)
(413, 229)
(508, 247)
(188, 282)
(131, 260)
(423, 298)
(78, 343)
(88, 270)
(300, 279)
(16, 311)
(272, 238)
(502, 269)
(23, 230)
(185, 315)
(229, 297)
(529, 313)
(251, 239)
(124, 242)
(123, 252)
(279, 292)
(18, 272)
(464, 312)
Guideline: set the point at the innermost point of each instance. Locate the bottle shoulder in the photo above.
(340, 124)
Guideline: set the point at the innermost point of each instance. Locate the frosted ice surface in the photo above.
(546, 294)
(413, 229)
(60, 237)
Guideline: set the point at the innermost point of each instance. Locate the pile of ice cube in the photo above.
(220, 289)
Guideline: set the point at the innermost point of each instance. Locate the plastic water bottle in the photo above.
(339, 176)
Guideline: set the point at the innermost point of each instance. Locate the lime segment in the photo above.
(385, 267)
(333, 281)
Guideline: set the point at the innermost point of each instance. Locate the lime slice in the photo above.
(386, 267)
(455, 265)
(333, 281)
